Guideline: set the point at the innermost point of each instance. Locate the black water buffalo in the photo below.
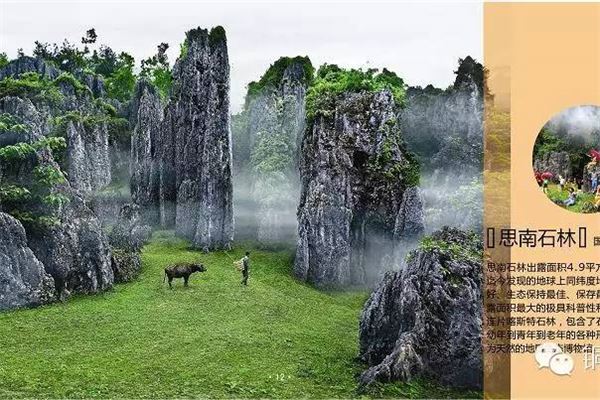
(182, 270)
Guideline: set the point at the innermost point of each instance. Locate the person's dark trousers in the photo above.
(245, 276)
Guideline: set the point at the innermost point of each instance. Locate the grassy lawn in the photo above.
(554, 193)
(275, 338)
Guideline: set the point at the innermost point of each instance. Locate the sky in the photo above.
(420, 41)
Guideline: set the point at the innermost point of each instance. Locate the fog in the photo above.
(581, 123)
(445, 130)
(265, 212)
(452, 202)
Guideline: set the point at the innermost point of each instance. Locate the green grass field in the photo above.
(275, 338)
(554, 193)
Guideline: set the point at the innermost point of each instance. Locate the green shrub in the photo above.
(384, 164)
(9, 123)
(163, 80)
(272, 154)
(16, 152)
(470, 250)
(183, 49)
(118, 128)
(119, 132)
(332, 81)
(33, 86)
(272, 78)
(13, 193)
(3, 60)
(156, 69)
(106, 108)
(121, 83)
(69, 79)
(31, 196)
(217, 35)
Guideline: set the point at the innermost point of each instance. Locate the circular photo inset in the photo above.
(566, 159)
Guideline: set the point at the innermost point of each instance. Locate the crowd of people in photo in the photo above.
(574, 186)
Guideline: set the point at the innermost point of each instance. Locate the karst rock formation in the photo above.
(425, 320)
(23, 280)
(556, 162)
(144, 159)
(54, 246)
(185, 177)
(445, 127)
(354, 207)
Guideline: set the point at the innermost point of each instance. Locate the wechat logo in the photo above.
(550, 355)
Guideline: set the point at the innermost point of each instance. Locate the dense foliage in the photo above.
(331, 81)
(120, 81)
(469, 70)
(547, 142)
(577, 147)
(3, 59)
(117, 70)
(12, 124)
(273, 153)
(273, 76)
(156, 69)
(468, 248)
(32, 198)
(33, 86)
(31, 180)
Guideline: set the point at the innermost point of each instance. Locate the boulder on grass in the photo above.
(425, 320)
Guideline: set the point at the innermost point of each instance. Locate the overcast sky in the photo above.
(420, 41)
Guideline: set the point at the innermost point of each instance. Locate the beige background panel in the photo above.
(554, 64)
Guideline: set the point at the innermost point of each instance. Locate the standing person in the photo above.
(245, 268)
(561, 182)
(594, 181)
(545, 185)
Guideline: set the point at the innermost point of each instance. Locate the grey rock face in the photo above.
(76, 251)
(88, 159)
(27, 114)
(28, 64)
(195, 160)
(445, 128)
(126, 265)
(127, 238)
(129, 233)
(425, 320)
(23, 280)
(354, 176)
(558, 163)
(144, 161)
(94, 82)
(410, 220)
